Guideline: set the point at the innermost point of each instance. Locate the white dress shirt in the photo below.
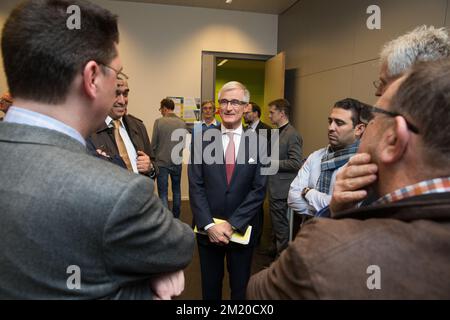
(132, 154)
(237, 134)
(308, 176)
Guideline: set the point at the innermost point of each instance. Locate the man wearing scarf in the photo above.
(312, 188)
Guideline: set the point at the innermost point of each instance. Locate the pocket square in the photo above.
(251, 160)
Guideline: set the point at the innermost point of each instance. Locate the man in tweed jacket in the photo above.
(73, 226)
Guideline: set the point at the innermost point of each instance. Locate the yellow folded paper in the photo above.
(236, 237)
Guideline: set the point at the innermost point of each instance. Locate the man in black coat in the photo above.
(252, 117)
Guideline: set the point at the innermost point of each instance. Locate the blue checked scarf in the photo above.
(332, 161)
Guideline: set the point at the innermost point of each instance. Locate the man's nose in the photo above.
(121, 99)
(331, 126)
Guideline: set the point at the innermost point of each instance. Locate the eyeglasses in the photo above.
(373, 109)
(119, 73)
(122, 93)
(378, 84)
(234, 103)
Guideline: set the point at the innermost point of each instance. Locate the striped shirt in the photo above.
(31, 118)
(438, 185)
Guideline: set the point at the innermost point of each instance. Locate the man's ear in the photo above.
(91, 74)
(359, 130)
(394, 141)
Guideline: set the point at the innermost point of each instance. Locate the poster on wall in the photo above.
(187, 108)
(178, 101)
(191, 110)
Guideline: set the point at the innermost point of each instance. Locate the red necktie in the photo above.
(230, 157)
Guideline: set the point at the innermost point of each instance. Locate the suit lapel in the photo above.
(221, 168)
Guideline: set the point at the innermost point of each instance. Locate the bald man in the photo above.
(125, 136)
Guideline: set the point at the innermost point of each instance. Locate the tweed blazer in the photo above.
(62, 209)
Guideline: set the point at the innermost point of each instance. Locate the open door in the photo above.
(274, 81)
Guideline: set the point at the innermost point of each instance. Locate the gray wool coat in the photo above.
(62, 209)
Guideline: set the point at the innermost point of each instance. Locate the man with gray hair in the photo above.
(397, 56)
(232, 192)
(398, 247)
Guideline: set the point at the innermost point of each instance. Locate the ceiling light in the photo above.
(228, 1)
(221, 63)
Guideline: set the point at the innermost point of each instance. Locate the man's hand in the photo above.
(220, 233)
(143, 162)
(102, 153)
(351, 180)
(167, 285)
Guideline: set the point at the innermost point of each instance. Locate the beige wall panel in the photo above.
(316, 94)
(397, 17)
(274, 78)
(317, 35)
(363, 75)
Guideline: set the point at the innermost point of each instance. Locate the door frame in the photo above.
(209, 64)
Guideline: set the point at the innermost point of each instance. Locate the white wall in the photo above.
(160, 48)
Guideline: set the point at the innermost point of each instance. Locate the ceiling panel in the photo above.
(261, 6)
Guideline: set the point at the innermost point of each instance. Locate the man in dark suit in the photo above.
(73, 226)
(252, 117)
(129, 141)
(289, 161)
(232, 190)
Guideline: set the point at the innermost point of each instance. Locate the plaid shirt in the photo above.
(438, 185)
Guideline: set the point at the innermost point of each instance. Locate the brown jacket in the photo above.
(330, 259)
(104, 139)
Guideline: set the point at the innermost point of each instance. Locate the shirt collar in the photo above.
(438, 185)
(109, 120)
(24, 116)
(214, 123)
(283, 127)
(237, 131)
(255, 124)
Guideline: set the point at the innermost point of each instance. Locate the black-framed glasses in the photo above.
(411, 127)
(119, 73)
(378, 84)
(234, 103)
